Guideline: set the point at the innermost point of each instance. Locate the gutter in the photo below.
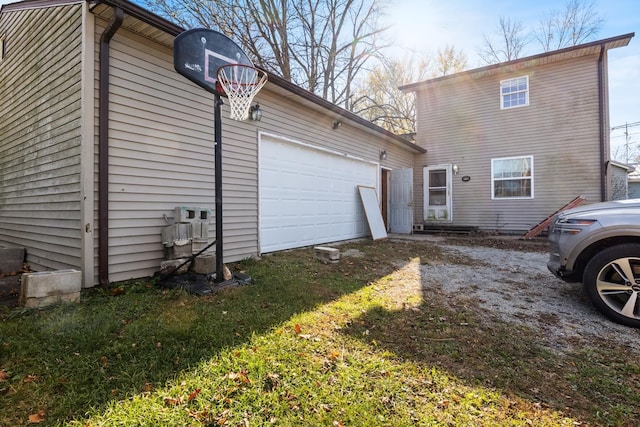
(602, 120)
(103, 147)
(144, 15)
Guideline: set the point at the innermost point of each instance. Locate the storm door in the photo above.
(437, 193)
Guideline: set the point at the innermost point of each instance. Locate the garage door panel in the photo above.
(309, 196)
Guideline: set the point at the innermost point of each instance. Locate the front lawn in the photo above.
(350, 344)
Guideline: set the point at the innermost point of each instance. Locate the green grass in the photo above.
(348, 344)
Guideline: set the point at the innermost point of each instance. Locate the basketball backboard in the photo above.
(199, 53)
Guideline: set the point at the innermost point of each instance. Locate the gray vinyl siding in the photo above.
(619, 185)
(40, 192)
(634, 190)
(462, 124)
(161, 154)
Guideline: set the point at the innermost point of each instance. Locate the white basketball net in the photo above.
(241, 83)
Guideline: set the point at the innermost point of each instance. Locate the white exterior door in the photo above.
(309, 195)
(401, 201)
(437, 193)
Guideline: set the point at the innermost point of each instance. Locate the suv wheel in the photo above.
(612, 282)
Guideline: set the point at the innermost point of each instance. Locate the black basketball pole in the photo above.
(218, 185)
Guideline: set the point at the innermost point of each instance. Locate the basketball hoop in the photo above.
(240, 83)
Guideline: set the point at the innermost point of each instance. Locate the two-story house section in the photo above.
(508, 144)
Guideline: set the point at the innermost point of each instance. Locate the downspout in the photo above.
(103, 148)
(601, 113)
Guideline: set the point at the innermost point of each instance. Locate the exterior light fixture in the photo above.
(255, 113)
(456, 169)
(383, 155)
(336, 124)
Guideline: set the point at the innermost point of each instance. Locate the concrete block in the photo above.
(191, 214)
(200, 230)
(205, 263)
(199, 244)
(11, 259)
(327, 254)
(50, 287)
(176, 233)
(169, 265)
(181, 249)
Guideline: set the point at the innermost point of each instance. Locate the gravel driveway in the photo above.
(517, 287)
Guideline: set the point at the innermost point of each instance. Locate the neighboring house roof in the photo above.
(634, 175)
(623, 166)
(164, 31)
(529, 61)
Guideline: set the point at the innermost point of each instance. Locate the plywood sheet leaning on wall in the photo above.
(372, 212)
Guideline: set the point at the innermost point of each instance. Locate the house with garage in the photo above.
(101, 139)
(511, 143)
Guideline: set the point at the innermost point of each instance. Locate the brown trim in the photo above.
(602, 121)
(617, 41)
(303, 93)
(143, 15)
(103, 148)
(36, 4)
(173, 29)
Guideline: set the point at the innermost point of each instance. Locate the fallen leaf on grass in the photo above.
(297, 328)
(4, 376)
(30, 379)
(194, 394)
(104, 361)
(116, 291)
(172, 401)
(240, 377)
(38, 417)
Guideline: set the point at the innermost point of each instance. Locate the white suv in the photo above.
(599, 245)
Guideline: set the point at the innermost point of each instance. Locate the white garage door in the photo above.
(309, 196)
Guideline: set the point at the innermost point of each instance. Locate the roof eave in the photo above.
(173, 29)
(609, 43)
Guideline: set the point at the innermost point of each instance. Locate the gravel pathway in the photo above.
(517, 287)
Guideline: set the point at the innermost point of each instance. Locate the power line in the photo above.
(625, 126)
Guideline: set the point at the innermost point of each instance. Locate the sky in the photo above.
(424, 26)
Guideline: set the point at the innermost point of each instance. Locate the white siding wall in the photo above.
(462, 124)
(161, 154)
(40, 135)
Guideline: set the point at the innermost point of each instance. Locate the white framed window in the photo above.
(512, 178)
(514, 92)
(2, 38)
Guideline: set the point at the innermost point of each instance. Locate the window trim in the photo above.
(3, 37)
(526, 92)
(530, 178)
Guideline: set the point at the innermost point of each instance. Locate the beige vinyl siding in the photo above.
(40, 135)
(463, 124)
(161, 153)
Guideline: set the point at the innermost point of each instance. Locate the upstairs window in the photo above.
(2, 37)
(512, 178)
(514, 93)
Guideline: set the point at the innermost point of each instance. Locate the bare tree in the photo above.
(449, 61)
(321, 45)
(577, 23)
(380, 101)
(512, 37)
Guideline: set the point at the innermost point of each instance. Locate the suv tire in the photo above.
(611, 281)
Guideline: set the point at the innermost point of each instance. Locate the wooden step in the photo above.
(544, 224)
